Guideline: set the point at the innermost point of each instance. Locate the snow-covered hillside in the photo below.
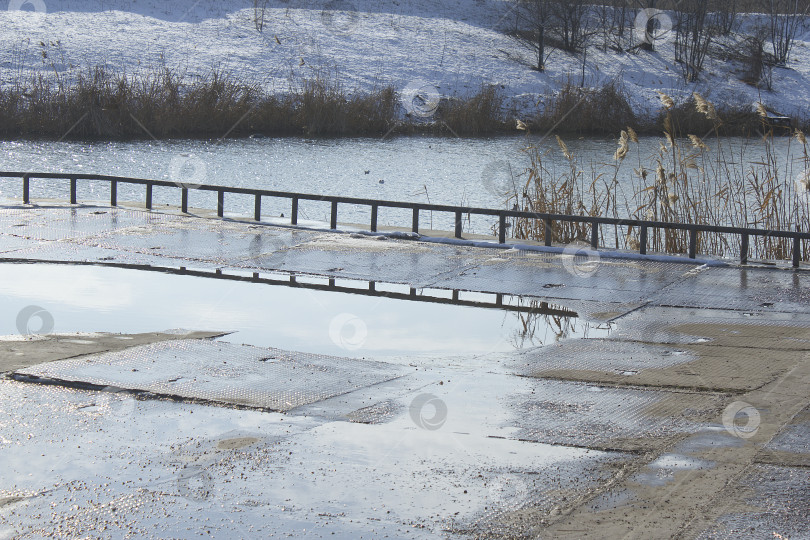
(452, 45)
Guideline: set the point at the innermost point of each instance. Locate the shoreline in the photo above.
(104, 106)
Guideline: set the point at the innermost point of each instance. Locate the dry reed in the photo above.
(692, 179)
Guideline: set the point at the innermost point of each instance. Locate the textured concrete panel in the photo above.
(222, 372)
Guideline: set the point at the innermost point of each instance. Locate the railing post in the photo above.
(458, 224)
(184, 200)
(415, 221)
(501, 228)
(744, 249)
(547, 234)
(333, 216)
(594, 235)
(73, 190)
(26, 189)
(148, 196)
(294, 212)
(373, 218)
(797, 251)
(642, 241)
(693, 243)
(257, 208)
(220, 203)
(113, 193)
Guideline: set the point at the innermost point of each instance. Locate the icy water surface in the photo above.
(105, 299)
(479, 172)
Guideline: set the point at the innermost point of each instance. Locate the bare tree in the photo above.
(612, 22)
(693, 35)
(724, 15)
(620, 12)
(259, 8)
(533, 19)
(571, 16)
(786, 17)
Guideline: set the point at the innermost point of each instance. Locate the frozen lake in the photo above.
(442, 170)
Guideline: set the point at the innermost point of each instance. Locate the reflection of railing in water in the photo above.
(502, 301)
(562, 326)
(548, 220)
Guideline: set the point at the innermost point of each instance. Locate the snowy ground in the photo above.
(453, 45)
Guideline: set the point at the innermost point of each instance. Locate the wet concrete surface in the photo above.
(686, 417)
(21, 351)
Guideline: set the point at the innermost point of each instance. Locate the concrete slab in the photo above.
(18, 352)
(103, 461)
(10, 243)
(749, 289)
(221, 372)
(69, 252)
(625, 419)
(554, 412)
(714, 368)
(618, 286)
(792, 445)
(615, 281)
(696, 495)
(66, 223)
(673, 325)
(217, 242)
(767, 502)
(360, 257)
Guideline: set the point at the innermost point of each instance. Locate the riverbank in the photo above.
(105, 105)
(377, 68)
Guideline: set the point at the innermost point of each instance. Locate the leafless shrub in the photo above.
(786, 18)
(259, 9)
(724, 15)
(693, 35)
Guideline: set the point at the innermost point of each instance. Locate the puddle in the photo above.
(307, 314)
(663, 470)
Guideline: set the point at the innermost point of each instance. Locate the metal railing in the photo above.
(595, 222)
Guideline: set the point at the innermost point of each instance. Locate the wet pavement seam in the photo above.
(717, 392)
(628, 312)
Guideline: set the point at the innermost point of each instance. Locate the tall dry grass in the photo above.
(478, 114)
(101, 103)
(104, 104)
(577, 110)
(700, 179)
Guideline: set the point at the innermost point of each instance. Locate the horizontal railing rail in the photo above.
(416, 207)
